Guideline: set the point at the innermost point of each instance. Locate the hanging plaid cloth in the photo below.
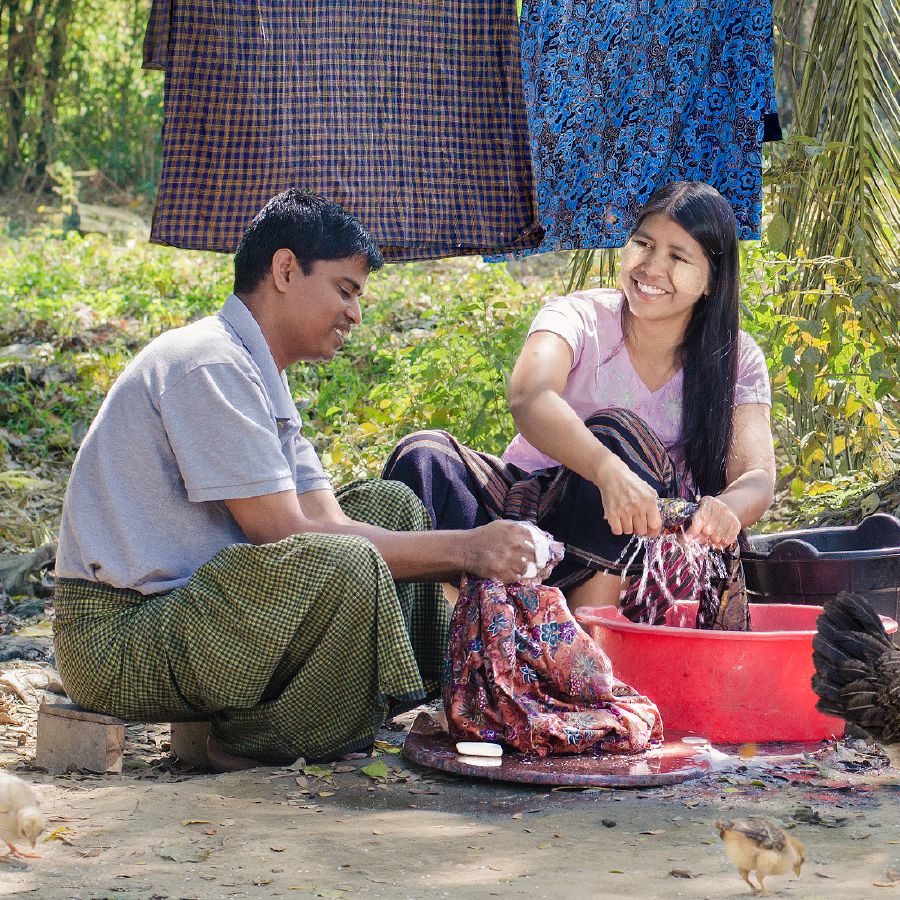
(625, 96)
(409, 115)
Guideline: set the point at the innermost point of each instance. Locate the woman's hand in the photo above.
(714, 523)
(629, 503)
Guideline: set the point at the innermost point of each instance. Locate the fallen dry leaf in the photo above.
(184, 854)
(60, 834)
(385, 747)
(681, 873)
(196, 822)
(376, 770)
(278, 849)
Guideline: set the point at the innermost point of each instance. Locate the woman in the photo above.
(622, 397)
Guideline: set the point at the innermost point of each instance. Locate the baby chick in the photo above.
(757, 844)
(20, 817)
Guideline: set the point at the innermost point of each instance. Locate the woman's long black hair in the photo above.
(709, 351)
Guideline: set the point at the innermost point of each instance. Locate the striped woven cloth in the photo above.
(465, 488)
(410, 115)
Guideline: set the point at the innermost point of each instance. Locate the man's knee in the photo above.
(344, 553)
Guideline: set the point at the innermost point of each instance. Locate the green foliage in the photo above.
(72, 312)
(436, 351)
(75, 93)
(834, 387)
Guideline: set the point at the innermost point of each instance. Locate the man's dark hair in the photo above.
(310, 227)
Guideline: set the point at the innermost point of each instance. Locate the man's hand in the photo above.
(500, 550)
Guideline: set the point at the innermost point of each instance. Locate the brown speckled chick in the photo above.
(758, 845)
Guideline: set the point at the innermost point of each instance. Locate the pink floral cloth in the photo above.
(520, 670)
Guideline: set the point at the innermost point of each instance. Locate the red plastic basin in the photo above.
(728, 686)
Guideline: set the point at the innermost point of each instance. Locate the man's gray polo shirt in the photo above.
(200, 415)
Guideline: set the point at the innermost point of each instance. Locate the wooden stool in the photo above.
(69, 737)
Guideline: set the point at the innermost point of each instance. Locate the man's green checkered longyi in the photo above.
(293, 648)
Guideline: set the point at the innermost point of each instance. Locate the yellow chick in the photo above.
(20, 816)
(757, 844)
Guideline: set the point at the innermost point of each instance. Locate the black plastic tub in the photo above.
(814, 565)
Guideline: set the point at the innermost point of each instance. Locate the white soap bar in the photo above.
(480, 760)
(479, 748)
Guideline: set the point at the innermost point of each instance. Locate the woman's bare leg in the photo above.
(601, 589)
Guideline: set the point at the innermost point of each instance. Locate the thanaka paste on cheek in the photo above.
(688, 278)
(632, 254)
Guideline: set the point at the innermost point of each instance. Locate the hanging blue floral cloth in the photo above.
(624, 96)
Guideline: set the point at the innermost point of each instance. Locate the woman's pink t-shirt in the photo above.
(602, 375)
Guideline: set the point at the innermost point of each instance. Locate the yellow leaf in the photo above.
(873, 420)
(839, 444)
(56, 834)
(852, 405)
(368, 428)
(822, 487)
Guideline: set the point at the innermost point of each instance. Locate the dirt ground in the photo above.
(161, 830)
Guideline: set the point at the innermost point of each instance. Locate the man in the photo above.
(205, 565)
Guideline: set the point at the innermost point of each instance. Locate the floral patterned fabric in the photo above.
(520, 670)
(625, 96)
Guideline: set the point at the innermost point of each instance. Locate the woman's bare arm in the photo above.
(548, 423)
(750, 479)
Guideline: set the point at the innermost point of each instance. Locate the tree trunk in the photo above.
(15, 94)
(62, 15)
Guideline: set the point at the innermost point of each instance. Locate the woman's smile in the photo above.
(648, 289)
